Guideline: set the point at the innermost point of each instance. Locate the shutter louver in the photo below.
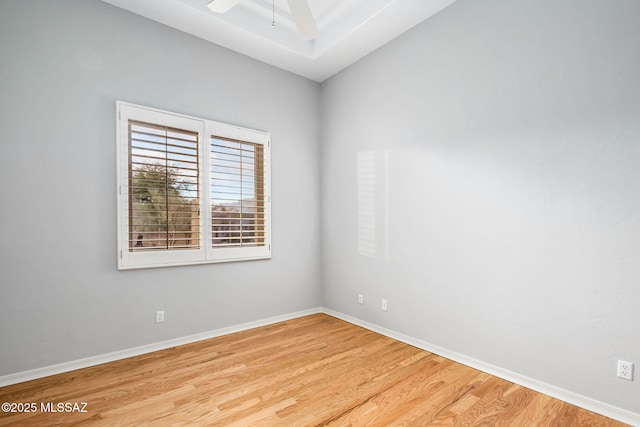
(164, 193)
(237, 193)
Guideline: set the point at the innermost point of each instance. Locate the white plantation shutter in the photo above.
(164, 196)
(237, 193)
(186, 198)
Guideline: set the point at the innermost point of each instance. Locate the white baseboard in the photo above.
(579, 400)
(149, 348)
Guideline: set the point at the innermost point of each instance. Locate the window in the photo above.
(190, 190)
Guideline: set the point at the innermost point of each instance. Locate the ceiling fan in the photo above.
(299, 9)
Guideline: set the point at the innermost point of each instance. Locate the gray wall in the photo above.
(507, 188)
(64, 63)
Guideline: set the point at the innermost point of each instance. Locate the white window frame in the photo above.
(206, 129)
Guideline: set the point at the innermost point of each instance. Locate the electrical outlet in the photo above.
(625, 370)
(384, 305)
(159, 316)
(360, 299)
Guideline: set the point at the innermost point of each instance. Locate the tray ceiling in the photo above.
(347, 29)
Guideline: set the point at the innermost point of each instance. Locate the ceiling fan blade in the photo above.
(303, 18)
(221, 6)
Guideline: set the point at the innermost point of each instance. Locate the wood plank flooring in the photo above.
(311, 371)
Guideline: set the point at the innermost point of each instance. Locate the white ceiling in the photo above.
(348, 29)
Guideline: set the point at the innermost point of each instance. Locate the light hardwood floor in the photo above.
(311, 371)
